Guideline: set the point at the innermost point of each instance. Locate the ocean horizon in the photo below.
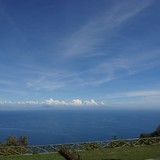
(71, 126)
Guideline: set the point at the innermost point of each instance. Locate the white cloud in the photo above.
(76, 102)
(52, 102)
(91, 102)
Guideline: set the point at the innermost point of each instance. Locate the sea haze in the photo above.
(54, 127)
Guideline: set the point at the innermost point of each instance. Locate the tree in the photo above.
(114, 137)
(156, 133)
(144, 135)
(23, 141)
(11, 141)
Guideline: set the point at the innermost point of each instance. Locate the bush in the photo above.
(13, 141)
(23, 141)
(156, 133)
(90, 146)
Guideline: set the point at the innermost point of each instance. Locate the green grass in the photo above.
(50, 156)
(125, 153)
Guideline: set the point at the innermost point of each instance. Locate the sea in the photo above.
(72, 126)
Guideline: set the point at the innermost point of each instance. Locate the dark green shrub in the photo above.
(90, 146)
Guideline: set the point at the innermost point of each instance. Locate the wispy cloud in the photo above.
(13, 91)
(128, 64)
(149, 93)
(44, 83)
(123, 65)
(135, 99)
(108, 70)
(6, 82)
(139, 93)
(50, 79)
(86, 40)
(85, 43)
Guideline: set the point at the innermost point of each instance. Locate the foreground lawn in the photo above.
(51, 156)
(125, 153)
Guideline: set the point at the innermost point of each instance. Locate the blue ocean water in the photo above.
(54, 127)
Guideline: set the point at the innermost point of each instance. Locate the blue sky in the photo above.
(80, 52)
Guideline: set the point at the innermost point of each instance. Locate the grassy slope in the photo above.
(51, 156)
(125, 153)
